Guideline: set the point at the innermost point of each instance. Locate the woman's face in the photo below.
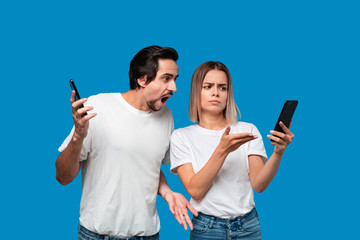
(214, 92)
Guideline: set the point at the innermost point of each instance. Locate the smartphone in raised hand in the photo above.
(77, 95)
(286, 114)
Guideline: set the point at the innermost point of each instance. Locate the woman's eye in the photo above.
(223, 88)
(207, 87)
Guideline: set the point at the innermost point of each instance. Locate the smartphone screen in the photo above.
(286, 114)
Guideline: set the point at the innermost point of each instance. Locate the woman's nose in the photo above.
(215, 92)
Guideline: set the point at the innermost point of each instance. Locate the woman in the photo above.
(220, 160)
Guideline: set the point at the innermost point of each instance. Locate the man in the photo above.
(121, 151)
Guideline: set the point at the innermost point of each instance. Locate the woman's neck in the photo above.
(212, 122)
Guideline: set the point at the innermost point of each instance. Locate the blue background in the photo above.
(275, 50)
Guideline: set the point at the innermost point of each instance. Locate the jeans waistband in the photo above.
(106, 237)
(247, 217)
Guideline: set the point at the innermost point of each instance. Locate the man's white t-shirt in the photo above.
(122, 155)
(230, 194)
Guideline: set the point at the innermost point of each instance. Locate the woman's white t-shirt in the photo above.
(231, 194)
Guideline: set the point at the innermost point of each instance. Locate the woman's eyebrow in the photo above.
(220, 84)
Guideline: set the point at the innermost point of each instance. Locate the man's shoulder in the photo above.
(166, 112)
(102, 96)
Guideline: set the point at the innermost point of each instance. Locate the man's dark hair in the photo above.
(146, 62)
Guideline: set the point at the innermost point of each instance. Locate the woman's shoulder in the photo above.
(184, 129)
(182, 134)
(243, 126)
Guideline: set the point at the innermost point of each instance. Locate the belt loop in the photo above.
(211, 222)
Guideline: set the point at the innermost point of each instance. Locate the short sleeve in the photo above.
(179, 151)
(85, 147)
(256, 146)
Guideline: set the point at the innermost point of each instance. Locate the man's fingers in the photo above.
(171, 207)
(188, 220)
(192, 210)
(82, 111)
(183, 221)
(77, 103)
(72, 98)
(89, 116)
(180, 217)
(177, 217)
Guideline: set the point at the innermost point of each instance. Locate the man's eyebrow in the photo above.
(167, 74)
(170, 75)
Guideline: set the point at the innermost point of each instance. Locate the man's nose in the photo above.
(172, 86)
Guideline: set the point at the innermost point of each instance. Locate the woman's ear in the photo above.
(142, 81)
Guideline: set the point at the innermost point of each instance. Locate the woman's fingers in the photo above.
(286, 130)
(244, 139)
(275, 140)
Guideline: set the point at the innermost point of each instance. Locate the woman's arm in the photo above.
(261, 175)
(197, 184)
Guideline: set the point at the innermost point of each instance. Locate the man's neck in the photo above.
(135, 98)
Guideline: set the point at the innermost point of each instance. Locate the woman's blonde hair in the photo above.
(230, 112)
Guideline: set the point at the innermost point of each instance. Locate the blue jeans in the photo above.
(85, 234)
(209, 227)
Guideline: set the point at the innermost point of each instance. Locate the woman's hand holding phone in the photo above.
(281, 140)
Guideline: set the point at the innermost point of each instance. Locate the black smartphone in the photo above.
(286, 114)
(77, 95)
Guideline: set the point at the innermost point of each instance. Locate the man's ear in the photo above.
(142, 81)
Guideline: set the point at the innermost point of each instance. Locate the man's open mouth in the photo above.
(165, 98)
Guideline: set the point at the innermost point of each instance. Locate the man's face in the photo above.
(159, 90)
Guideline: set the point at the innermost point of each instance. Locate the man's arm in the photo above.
(68, 163)
(177, 203)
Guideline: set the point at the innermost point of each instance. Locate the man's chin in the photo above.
(155, 107)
